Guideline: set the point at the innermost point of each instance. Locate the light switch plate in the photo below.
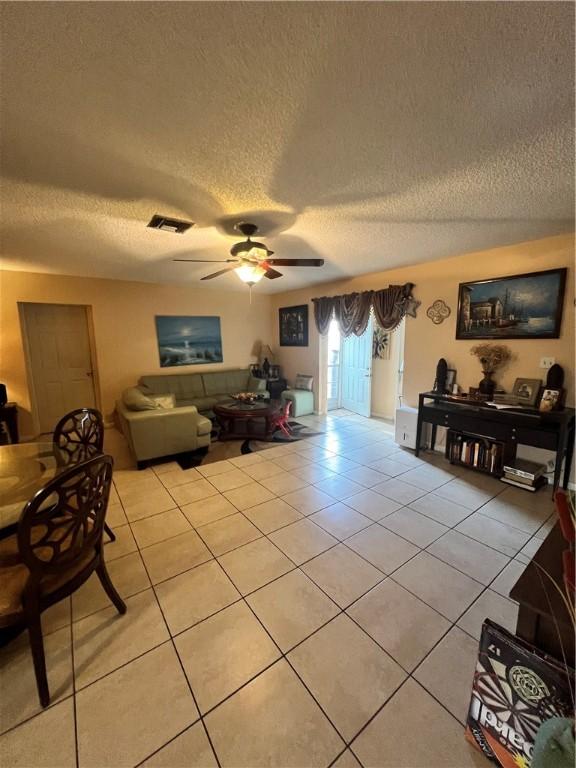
(547, 362)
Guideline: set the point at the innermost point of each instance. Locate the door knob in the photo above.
(90, 373)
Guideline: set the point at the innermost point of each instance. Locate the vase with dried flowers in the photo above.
(492, 357)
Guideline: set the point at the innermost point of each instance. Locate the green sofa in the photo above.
(203, 390)
(153, 432)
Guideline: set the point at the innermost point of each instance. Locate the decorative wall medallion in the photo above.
(438, 312)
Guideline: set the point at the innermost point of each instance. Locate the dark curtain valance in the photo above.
(352, 310)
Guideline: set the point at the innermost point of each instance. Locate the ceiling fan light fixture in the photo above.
(248, 249)
(250, 273)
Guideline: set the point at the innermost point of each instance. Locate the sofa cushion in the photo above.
(256, 385)
(135, 400)
(225, 382)
(164, 401)
(201, 403)
(304, 382)
(183, 385)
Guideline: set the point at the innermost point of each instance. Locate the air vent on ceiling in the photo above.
(169, 225)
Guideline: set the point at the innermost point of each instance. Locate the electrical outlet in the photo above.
(547, 362)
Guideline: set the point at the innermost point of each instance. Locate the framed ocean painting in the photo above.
(188, 340)
(517, 307)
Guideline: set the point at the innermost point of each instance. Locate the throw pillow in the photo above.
(303, 382)
(135, 400)
(164, 401)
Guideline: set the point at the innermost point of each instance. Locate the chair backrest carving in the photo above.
(64, 521)
(79, 435)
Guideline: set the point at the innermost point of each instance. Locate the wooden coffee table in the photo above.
(244, 420)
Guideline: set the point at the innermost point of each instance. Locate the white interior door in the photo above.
(60, 360)
(356, 374)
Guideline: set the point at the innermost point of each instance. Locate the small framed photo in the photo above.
(550, 400)
(526, 391)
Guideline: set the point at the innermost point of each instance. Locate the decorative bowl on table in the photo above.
(246, 397)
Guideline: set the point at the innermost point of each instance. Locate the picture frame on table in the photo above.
(526, 306)
(293, 326)
(551, 399)
(526, 391)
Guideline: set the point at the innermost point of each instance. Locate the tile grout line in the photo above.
(175, 649)
(340, 541)
(74, 702)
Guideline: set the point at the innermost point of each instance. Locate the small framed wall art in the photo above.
(293, 326)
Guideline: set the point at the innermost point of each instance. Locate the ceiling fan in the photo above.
(252, 260)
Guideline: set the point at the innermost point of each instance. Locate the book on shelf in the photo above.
(478, 453)
(525, 468)
(526, 487)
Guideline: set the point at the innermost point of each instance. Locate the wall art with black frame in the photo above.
(293, 326)
(525, 306)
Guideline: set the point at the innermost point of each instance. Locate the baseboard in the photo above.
(378, 415)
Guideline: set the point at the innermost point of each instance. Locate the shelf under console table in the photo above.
(552, 431)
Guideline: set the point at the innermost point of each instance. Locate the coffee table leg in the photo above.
(223, 422)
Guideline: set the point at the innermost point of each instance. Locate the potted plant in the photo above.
(492, 357)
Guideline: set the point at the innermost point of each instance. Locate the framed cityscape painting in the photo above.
(294, 326)
(188, 340)
(517, 307)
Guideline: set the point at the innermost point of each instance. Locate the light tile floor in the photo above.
(313, 604)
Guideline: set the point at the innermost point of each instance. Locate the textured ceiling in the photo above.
(370, 134)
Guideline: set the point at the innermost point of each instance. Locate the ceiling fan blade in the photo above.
(296, 262)
(217, 274)
(206, 261)
(272, 274)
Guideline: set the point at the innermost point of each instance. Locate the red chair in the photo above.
(280, 420)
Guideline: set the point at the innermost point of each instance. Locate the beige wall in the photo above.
(125, 337)
(425, 342)
(124, 328)
(385, 379)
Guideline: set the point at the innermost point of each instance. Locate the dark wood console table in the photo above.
(553, 431)
(543, 619)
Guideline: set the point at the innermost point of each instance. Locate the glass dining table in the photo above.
(24, 469)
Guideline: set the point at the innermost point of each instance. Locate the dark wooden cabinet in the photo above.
(543, 617)
(276, 387)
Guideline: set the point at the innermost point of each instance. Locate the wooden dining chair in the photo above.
(78, 436)
(57, 547)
